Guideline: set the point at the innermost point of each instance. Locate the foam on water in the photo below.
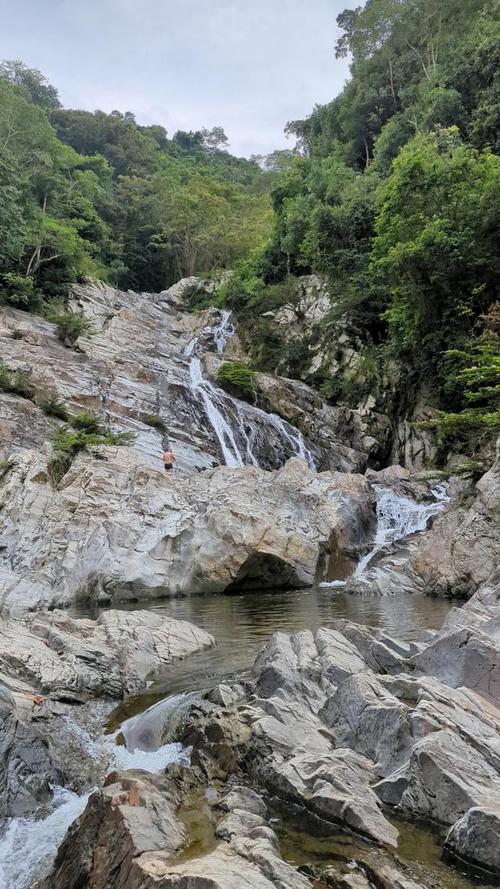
(397, 518)
(29, 845)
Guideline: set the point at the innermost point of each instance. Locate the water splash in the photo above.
(149, 730)
(398, 517)
(29, 845)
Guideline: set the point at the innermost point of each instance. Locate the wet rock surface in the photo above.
(343, 735)
(133, 835)
(340, 727)
(56, 667)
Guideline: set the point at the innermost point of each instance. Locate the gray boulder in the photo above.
(79, 658)
(475, 838)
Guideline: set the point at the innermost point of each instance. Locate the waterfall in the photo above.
(229, 417)
(223, 331)
(209, 395)
(149, 730)
(398, 517)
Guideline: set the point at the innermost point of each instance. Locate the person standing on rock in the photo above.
(168, 460)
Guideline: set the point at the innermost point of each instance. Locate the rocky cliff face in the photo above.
(118, 529)
(115, 524)
(146, 370)
(340, 357)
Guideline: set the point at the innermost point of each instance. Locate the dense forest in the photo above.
(89, 194)
(392, 194)
(395, 198)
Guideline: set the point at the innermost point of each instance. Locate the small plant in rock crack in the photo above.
(15, 382)
(69, 324)
(53, 407)
(155, 422)
(238, 379)
(5, 467)
(67, 442)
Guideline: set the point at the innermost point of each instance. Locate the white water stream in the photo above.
(234, 422)
(29, 845)
(397, 518)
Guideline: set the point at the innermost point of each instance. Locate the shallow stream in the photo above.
(241, 625)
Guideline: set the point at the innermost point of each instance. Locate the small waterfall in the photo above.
(223, 331)
(235, 422)
(398, 517)
(209, 395)
(149, 731)
(28, 845)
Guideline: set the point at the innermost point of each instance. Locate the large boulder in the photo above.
(116, 528)
(26, 769)
(463, 548)
(74, 659)
(474, 838)
(132, 831)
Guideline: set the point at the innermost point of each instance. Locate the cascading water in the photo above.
(223, 331)
(398, 517)
(209, 395)
(233, 421)
(150, 730)
(29, 845)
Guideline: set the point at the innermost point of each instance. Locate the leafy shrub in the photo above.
(237, 379)
(68, 442)
(481, 386)
(69, 325)
(19, 291)
(5, 465)
(15, 382)
(154, 421)
(86, 422)
(53, 407)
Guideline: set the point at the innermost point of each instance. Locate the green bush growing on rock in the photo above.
(5, 466)
(68, 442)
(237, 379)
(15, 382)
(155, 422)
(53, 407)
(69, 325)
(86, 422)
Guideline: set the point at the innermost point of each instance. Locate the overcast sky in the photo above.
(246, 65)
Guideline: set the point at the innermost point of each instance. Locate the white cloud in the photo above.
(247, 66)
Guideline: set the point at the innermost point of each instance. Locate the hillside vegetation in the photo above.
(89, 194)
(392, 194)
(395, 199)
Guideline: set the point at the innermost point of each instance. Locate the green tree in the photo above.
(32, 81)
(436, 248)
